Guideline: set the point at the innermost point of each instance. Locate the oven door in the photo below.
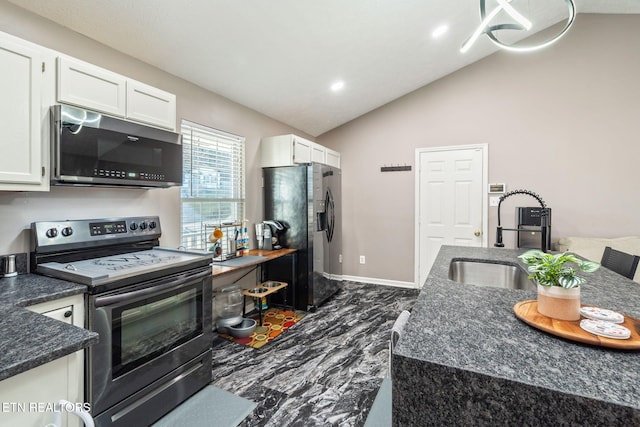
(146, 332)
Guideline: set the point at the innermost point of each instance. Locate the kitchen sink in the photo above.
(486, 273)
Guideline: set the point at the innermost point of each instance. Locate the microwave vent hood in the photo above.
(92, 149)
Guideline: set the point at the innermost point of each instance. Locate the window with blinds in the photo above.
(213, 186)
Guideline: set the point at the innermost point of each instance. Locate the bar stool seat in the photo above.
(620, 262)
(264, 289)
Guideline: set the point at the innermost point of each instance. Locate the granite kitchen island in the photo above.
(465, 359)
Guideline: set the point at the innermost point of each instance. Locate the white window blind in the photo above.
(213, 186)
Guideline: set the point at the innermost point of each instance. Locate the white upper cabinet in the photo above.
(24, 115)
(151, 105)
(332, 158)
(95, 88)
(285, 150)
(318, 153)
(288, 150)
(89, 86)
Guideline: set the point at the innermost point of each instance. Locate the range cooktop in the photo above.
(102, 270)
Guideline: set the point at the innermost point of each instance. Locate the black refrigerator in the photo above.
(307, 199)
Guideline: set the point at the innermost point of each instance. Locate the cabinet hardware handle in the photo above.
(68, 313)
(477, 233)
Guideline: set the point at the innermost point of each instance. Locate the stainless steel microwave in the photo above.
(89, 148)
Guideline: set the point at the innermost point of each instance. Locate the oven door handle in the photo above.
(177, 283)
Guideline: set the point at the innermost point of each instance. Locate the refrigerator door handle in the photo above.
(329, 203)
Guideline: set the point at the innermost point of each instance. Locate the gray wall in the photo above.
(563, 122)
(18, 210)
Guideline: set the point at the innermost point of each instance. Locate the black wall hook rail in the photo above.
(395, 168)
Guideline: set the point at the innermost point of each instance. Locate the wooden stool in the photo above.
(264, 289)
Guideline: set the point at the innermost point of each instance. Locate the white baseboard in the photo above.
(385, 282)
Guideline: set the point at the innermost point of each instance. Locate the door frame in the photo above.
(485, 197)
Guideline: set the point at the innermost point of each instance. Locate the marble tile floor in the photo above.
(326, 369)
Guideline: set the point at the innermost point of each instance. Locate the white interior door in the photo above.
(451, 201)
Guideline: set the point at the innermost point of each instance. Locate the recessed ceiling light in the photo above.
(439, 31)
(337, 86)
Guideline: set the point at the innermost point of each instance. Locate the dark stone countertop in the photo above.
(29, 339)
(464, 358)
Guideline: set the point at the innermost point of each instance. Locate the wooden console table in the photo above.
(269, 255)
(219, 270)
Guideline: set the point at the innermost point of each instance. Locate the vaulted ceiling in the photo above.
(280, 57)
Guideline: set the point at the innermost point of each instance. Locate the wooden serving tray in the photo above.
(527, 311)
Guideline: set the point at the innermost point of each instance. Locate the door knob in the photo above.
(477, 233)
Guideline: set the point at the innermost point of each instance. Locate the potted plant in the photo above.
(558, 284)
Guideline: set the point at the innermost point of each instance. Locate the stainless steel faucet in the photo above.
(545, 224)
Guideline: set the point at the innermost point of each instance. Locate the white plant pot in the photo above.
(559, 303)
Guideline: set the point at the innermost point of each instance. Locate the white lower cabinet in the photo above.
(27, 398)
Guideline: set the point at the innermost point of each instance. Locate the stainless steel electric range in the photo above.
(151, 307)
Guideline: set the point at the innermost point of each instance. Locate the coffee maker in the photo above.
(272, 234)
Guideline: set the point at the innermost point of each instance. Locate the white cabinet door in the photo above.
(288, 150)
(22, 158)
(285, 150)
(332, 158)
(86, 85)
(30, 392)
(68, 310)
(318, 153)
(450, 202)
(151, 105)
(58, 309)
(63, 314)
(301, 150)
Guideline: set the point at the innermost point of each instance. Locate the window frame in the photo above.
(210, 190)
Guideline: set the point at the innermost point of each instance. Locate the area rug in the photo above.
(275, 321)
(210, 406)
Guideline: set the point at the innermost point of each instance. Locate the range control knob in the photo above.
(143, 225)
(67, 231)
(52, 232)
(152, 225)
(133, 226)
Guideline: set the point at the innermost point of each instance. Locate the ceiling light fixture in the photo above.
(439, 31)
(522, 24)
(337, 86)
